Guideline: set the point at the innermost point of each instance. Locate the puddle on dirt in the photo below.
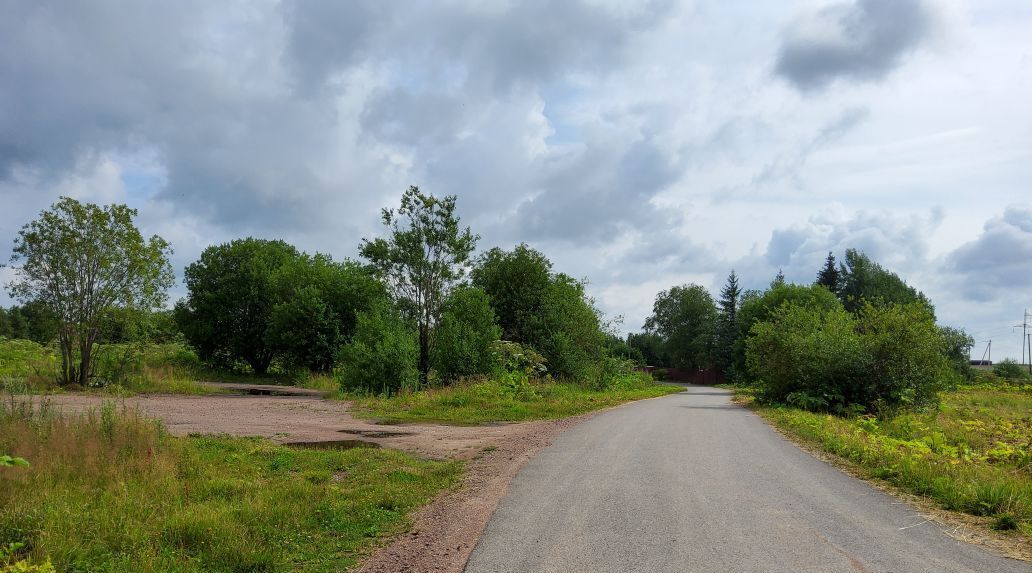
(333, 445)
(268, 392)
(375, 433)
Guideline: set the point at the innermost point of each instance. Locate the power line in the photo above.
(1024, 337)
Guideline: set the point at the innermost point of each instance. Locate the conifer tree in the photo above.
(829, 275)
(727, 321)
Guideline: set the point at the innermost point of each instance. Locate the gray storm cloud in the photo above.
(865, 40)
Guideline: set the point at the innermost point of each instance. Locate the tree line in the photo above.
(857, 337)
(418, 308)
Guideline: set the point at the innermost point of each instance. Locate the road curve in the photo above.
(692, 483)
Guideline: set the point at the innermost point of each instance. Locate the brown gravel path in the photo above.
(298, 419)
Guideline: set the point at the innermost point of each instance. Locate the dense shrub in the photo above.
(887, 358)
(1010, 370)
(465, 335)
(382, 354)
(759, 307)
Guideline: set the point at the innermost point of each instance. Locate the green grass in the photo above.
(484, 401)
(110, 491)
(972, 455)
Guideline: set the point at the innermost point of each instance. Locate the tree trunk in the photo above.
(67, 358)
(424, 354)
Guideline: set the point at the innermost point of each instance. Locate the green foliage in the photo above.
(123, 496)
(567, 330)
(970, 455)
(619, 348)
(381, 356)
(318, 301)
(759, 307)
(424, 255)
(7, 461)
(828, 277)
(80, 260)
(541, 309)
(1010, 370)
(865, 281)
(226, 313)
(515, 357)
(650, 345)
(887, 358)
(957, 346)
(726, 328)
(31, 321)
(466, 335)
(517, 283)
(684, 317)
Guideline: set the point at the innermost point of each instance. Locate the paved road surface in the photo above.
(691, 483)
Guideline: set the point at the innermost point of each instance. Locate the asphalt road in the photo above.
(692, 483)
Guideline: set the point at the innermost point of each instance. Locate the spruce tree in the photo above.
(829, 275)
(727, 327)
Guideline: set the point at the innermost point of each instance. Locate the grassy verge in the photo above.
(110, 491)
(121, 369)
(486, 401)
(971, 456)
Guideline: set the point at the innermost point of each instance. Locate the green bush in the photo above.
(889, 357)
(465, 336)
(1010, 370)
(381, 357)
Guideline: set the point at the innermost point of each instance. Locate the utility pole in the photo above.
(989, 351)
(1024, 336)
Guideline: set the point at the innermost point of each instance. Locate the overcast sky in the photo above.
(639, 145)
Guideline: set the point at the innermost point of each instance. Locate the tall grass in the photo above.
(971, 455)
(110, 491)
(120, 368)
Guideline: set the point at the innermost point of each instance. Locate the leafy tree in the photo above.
(548, 311)
(80, 260)
(828, 277)
(424, 255)
(619, 348)
(650, 345)
(517, 282)
(466, 335)
(864, 280)
(684, 317)
(231, 294)
(316, 308)
(957, 346)
(382, 353)
(779, 279)
(727, 322)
